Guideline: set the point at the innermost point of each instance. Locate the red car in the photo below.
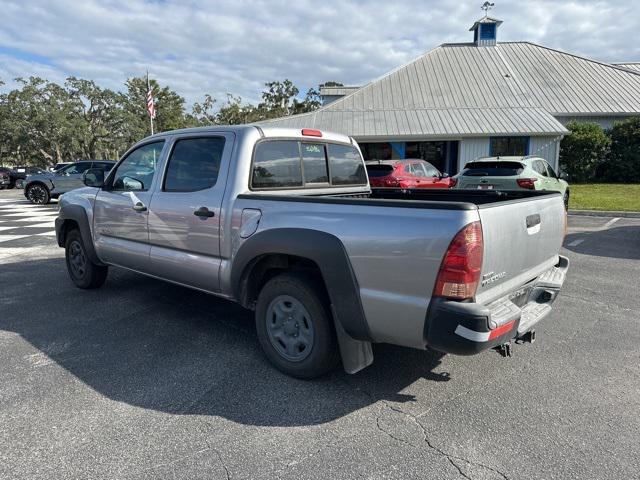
(408, 173)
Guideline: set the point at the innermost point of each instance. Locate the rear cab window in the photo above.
(492, 169)
(302, 164)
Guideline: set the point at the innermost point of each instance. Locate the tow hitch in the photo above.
(504, 350)
(528, 337)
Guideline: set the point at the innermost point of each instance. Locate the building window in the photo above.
(433, 152)
(509, 146)
(379, 151)
(488, 31)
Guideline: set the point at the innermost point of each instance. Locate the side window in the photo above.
(76, 168)
(137, 170)
(346, 165)
(431, 170)
(418, 171)
(551, 171)
(276, 164)
(314, 162)
(540, 168)
(194, 164)
(106, 166)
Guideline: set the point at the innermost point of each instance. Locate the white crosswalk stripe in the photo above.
(24, 225)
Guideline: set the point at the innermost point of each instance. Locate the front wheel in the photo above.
(38, 194)
(294, 326)
(566, 201)
(83, 272)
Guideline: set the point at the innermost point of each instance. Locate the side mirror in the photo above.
(564, 175)
(132, 184)
(94, 177)
(444, 175)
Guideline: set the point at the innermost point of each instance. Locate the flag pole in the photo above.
(149, 90)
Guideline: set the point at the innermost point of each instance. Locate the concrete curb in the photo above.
(604, 213)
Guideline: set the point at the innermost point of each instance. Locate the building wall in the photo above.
(472, 148)
(547, 148)
(327, 99)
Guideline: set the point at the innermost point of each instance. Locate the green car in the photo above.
(512, 173)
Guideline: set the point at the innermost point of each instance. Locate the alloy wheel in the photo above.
(37, 194)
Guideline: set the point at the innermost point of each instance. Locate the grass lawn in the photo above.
(605, 196)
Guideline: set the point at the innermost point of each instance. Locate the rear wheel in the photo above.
(38, 194)
(294, 326)
(83, 272)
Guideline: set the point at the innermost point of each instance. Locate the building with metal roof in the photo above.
(635, 66)
(464, 100)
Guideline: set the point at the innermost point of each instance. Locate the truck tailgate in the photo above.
(522, 240)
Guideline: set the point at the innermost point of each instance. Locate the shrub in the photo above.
(623, 162)
(582, 150)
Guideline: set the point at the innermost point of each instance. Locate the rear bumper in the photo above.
(469, 328)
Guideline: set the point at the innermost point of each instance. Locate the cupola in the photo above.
(485, 30)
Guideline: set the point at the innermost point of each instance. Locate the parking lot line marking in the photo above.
(38, 225)
(31, 219)
(50, 233)
(22, 214)
(611, 222)
(8, 238)
(575, 243)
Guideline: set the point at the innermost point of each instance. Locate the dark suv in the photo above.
(12, 177)
(41, 188)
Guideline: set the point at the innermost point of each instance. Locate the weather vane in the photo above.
(486, 6)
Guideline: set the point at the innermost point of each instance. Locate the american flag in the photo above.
(151, 108)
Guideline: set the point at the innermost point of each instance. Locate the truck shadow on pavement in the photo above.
(157, 346)
(617, 242)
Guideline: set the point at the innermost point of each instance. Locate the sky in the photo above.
(235, 46)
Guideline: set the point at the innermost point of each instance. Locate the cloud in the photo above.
(219, 46)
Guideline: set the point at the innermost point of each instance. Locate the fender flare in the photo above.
(327, 252)
(78, 214)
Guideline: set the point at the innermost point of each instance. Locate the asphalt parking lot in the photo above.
(143, 379)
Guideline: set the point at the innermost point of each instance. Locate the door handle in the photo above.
(140, 207)
(204, 212)
(533, 220)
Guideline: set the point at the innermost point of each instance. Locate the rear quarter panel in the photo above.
(395, 254)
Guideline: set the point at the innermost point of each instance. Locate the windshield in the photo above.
(492, 169)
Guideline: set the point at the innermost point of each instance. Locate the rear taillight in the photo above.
(459, 273)
(453, 182)
(529, 183)
(391, 182)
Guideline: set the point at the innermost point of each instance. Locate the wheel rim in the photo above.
(289, 328)
(77, 259)
(37, 194)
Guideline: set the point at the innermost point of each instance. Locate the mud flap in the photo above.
(356, 354)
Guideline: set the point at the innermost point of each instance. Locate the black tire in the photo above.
(38, 194)
(320, 354)
(566, 201)
(84, 273)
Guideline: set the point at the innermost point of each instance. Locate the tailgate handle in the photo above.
(533, 220)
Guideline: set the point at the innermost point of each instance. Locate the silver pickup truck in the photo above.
(284, 222)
